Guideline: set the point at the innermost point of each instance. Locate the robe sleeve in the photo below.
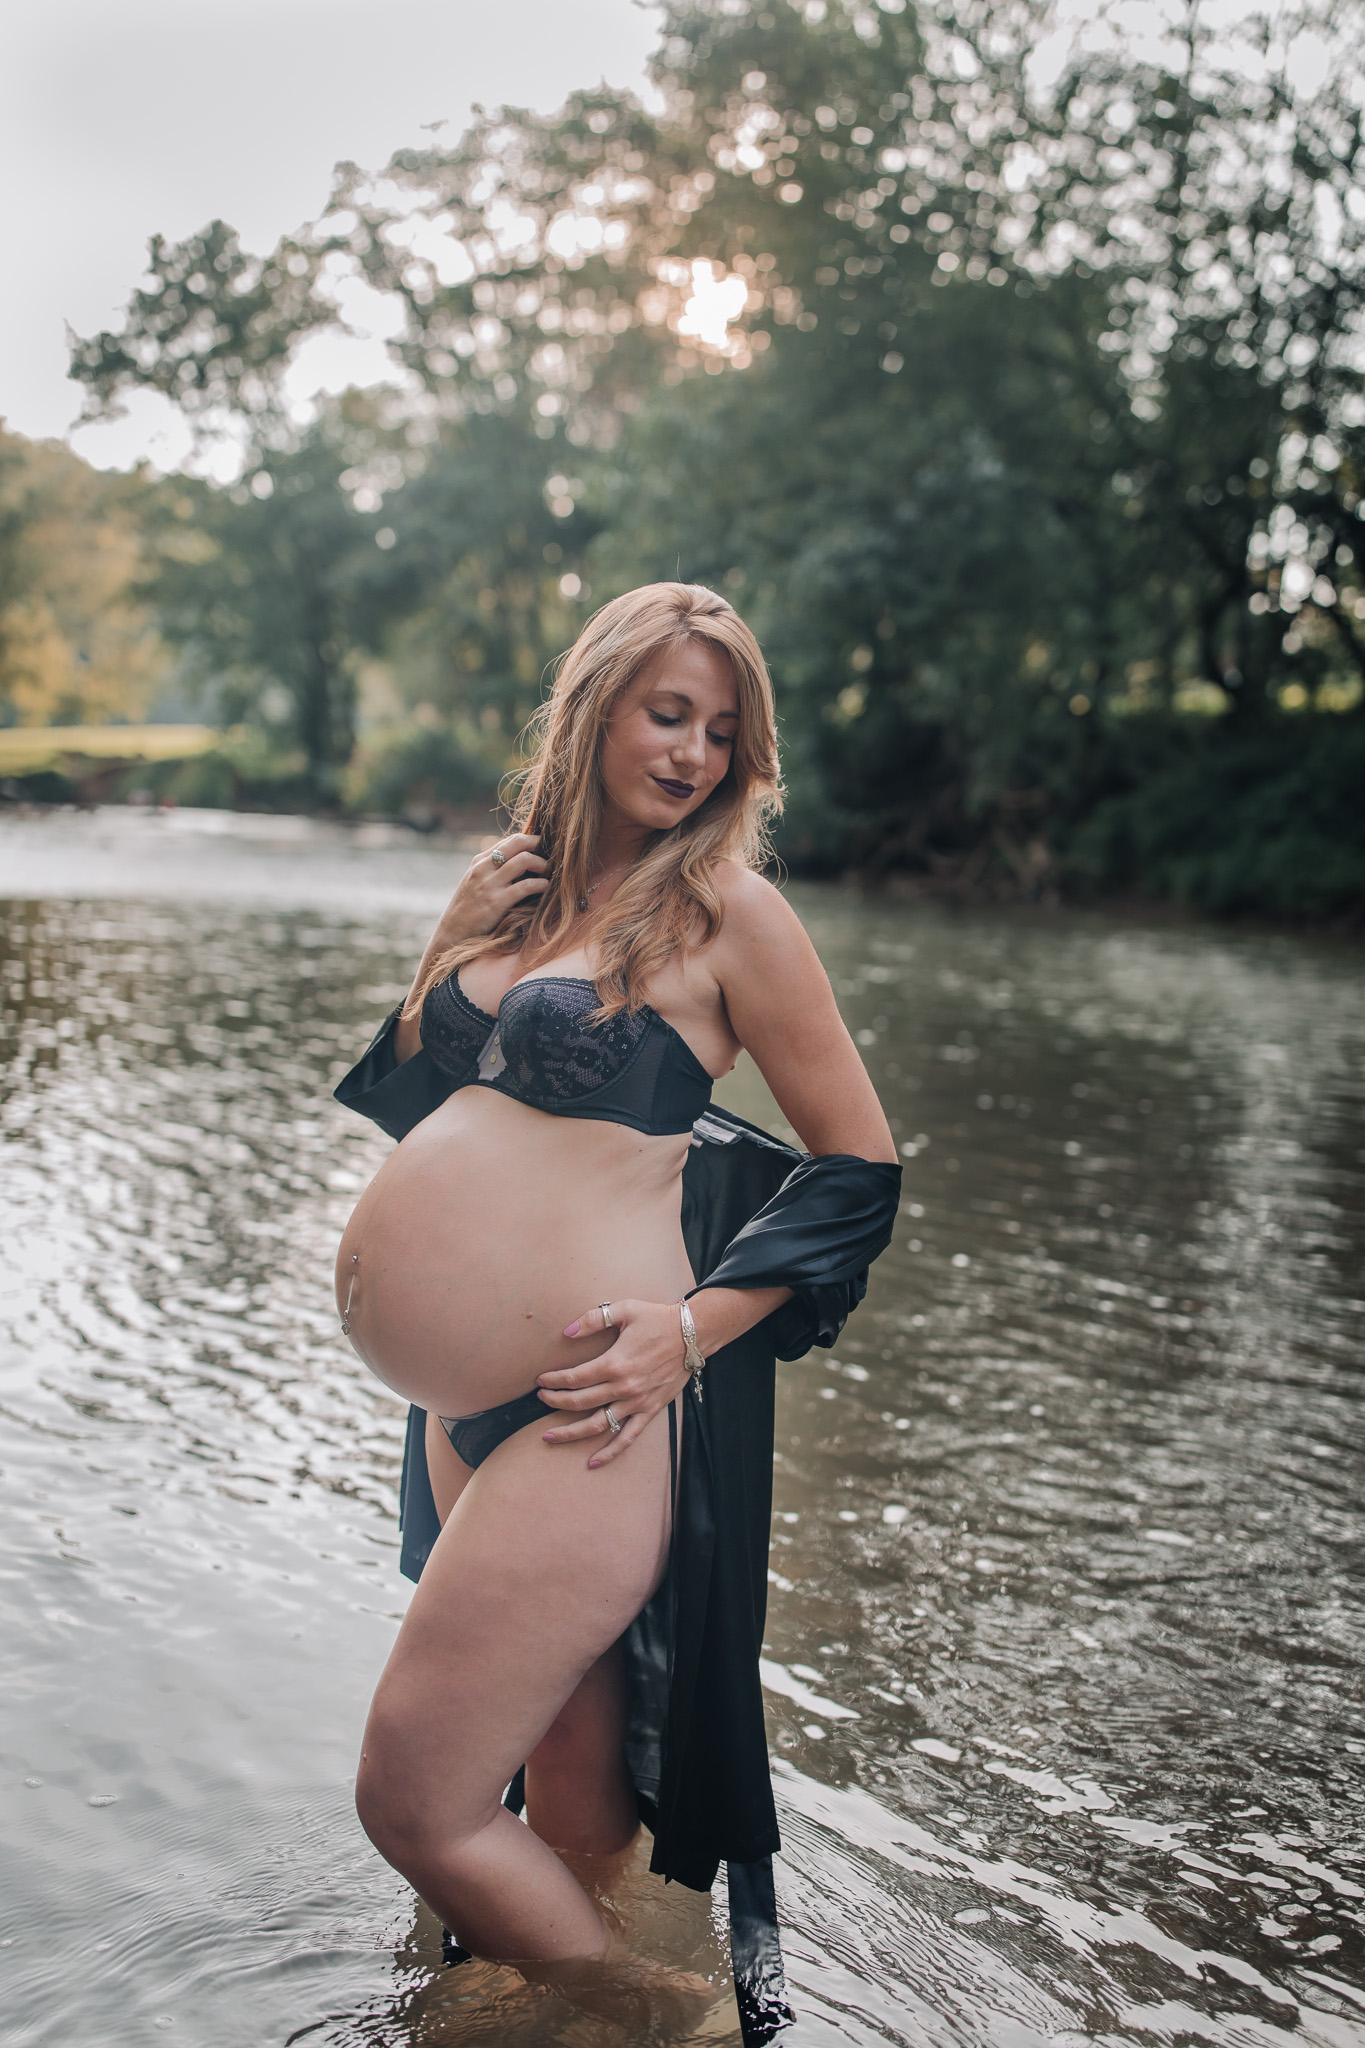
(818, 1235)
(395, 1095)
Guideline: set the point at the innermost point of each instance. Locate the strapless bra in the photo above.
(634, 1069)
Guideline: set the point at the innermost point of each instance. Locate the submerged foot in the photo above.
(607, 1877)
(655, 2001)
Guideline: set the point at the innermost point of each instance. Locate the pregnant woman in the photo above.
(579, 1273)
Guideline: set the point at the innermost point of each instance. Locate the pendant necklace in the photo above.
(583, 899)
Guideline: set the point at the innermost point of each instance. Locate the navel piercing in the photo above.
(346, 1312)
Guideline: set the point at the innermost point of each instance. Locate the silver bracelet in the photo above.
(691, 1348)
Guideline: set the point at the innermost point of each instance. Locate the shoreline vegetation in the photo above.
(1016, 404)
(473, 828)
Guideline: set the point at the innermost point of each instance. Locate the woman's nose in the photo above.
(689, 746)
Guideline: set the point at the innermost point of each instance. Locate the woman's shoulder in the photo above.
(755, 912)
(747, 895)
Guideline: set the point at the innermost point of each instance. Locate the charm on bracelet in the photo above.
(692, 1350)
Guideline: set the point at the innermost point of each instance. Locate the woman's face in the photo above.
(668, 742)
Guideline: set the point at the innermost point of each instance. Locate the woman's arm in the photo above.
(782, 1008)
(483, 896)
(783, 1012)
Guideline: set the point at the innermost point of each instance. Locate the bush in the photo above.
(1271, 821)
(45, 786)
(428, 774)
(244, 771)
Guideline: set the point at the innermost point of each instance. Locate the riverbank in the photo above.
(120, 850)
(61, 850)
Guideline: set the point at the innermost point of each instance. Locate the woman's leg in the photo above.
(540, 1568)
(579, 1796)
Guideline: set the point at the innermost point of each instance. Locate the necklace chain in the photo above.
(583, 899)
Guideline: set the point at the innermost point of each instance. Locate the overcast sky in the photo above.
(156, 116)
(118, 122)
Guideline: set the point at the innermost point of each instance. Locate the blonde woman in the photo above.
(525, 1268)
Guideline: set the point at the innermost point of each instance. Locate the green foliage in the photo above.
(473, 612)
(424, 773)
(348, 542)
(270, 589)
(77, 642)
(1038, 426)
(1270, 821)
(213, 329)
(244, 770)
(247, 770)
(44, 786)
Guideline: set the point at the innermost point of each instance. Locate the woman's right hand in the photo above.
(488, 889)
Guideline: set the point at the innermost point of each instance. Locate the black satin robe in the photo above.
(755, 1213)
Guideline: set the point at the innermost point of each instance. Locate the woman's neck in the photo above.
(619, 844)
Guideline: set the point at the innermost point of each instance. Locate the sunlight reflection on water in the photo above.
(1064, 1644)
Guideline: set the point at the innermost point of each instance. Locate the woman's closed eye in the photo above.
(718, 739)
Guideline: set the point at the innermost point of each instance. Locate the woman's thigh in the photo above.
(540, 1567)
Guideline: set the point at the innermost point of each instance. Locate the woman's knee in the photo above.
(388, 1805)
(409, 1812)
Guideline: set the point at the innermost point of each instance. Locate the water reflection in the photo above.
(1064, 1644)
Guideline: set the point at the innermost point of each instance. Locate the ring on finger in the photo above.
(607, 1323)
(612, 1424)
(497, 856)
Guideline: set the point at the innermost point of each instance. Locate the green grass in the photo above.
(28, 749)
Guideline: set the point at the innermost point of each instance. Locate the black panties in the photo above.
(476, 1437)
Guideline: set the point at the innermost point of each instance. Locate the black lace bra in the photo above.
(633, 1069)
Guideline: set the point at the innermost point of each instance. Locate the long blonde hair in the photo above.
(669, 900)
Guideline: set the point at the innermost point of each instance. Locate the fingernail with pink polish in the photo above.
(572, 1330)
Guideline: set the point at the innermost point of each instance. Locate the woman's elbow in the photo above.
(866, 1138)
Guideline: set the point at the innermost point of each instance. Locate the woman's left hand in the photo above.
(636, 1378)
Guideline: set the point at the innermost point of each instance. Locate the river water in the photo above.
(1065, 1639)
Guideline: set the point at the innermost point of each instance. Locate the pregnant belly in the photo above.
(489, 1229)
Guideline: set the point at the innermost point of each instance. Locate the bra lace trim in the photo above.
(550, 1054)
(453, 1030)
(539, 1050)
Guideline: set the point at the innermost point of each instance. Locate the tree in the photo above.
(1027, 419)
(78, 643)
(271, 589)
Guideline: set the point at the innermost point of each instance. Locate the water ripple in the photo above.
(1066, 1632)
